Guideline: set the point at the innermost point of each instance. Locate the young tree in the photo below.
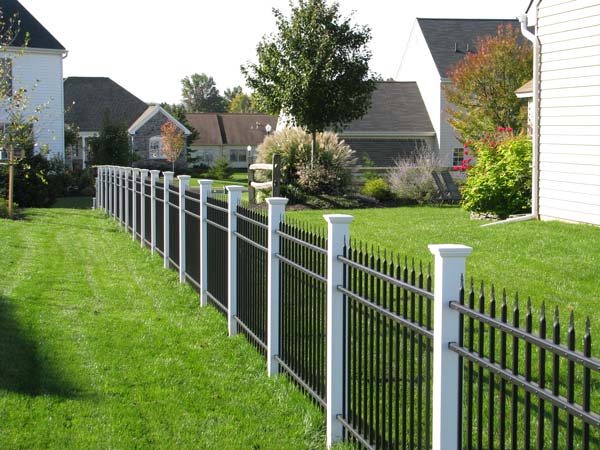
(173, 141)
(230, 94)
(241, 103)
(200, 94)
(482, 92)
(111, 146)
(315, 70)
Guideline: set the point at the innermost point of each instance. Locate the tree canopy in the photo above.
(315, 69)
(200, 94)
(482, 92)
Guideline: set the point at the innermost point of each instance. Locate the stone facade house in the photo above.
(145, 134)
(38, 68)
(90, 102)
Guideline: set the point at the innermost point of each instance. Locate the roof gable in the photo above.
(152, 111)
(397, 108)
(449, 40)
(88, 100)
(39, 36)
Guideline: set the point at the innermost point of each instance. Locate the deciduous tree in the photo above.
(315, 69)
(200, 94)
(483, 84)
(173, 141)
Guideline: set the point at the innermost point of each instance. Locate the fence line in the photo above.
(393, 362)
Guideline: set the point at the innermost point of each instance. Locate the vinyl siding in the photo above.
(418, 65)
(569, 32)
(46, 70)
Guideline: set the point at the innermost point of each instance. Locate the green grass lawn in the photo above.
(100, 347)
(552, 262)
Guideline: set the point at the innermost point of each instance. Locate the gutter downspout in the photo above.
(535, 182)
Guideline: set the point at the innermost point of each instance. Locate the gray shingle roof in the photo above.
(230, 129)
(396, 108)
(442, 34)
(96, 97)
(39, 36)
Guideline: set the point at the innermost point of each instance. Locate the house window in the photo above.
(458, 156)
(155, 148)
(237, 155)
(6, 88)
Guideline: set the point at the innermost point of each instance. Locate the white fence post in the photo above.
(99, 202)
(276, 213)
(134, 200)
(154, 174)
(205, 188)
(449, 270)
(235, 197)
(338, 233)
(126, 191)
(121, 173)
(184, 181)
(168, 176)
(143, 212)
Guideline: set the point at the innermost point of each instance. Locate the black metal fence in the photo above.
(160, 221)
(523, 383)
(216, 219)
(173, 227)
(192, 238)
(388, 335)
(252, 275)
(303, 307)
(522, 389)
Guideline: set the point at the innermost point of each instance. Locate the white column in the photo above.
(134, 200)
(184, 181)
(338, 232)
(205, 188)
(121, 173)
(126, 194)
(154, 174)
(449, 269)
(168, 176)
(276, 213)
(235, 197)
(143, 212)
(83, 151)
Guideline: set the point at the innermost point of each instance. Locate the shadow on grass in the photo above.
(23, 369)
(73, 203)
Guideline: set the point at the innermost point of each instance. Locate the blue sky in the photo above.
(147, 46)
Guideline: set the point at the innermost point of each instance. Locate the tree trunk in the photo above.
(313, 147)
(11, 179)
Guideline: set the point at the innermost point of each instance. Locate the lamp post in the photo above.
(249, 149)
(268, 128)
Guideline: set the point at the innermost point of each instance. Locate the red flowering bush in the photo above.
(500, 180)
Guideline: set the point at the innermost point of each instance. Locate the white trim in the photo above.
(386, 134)
(33, 50)
(525, 95)
(157, 108)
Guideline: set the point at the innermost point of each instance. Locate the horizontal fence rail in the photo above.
(394, 363)
(388, 338)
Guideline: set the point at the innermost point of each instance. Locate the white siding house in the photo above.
(37, 65)
(434, 47)
(567, 94)
(40, 71)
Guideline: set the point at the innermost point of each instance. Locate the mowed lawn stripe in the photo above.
(103, 348)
